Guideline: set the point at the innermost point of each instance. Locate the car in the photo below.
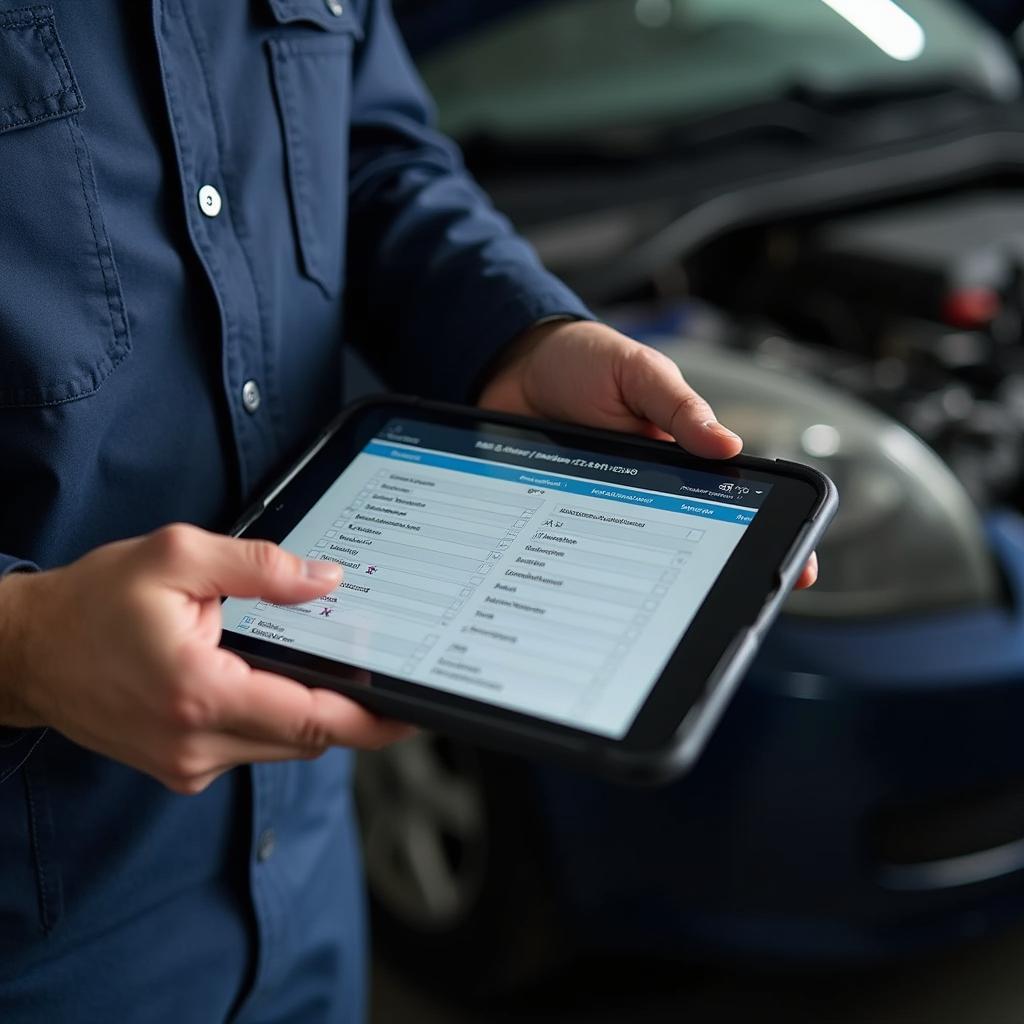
(818, 213)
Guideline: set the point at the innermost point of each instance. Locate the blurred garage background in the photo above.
(817, 208)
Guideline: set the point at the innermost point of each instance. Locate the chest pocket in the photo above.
(63, 327)
(311, 63)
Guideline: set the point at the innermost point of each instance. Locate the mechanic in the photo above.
(199, 201)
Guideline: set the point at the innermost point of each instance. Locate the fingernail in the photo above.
(323, 572)
(716, 428)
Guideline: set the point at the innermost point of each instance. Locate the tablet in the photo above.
(541, 588)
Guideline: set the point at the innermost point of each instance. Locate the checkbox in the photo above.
(464, 592)
(520, 523)
(261, 605)
(330, 533)
(321, 543)
(476, 580)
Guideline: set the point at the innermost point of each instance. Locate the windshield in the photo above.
(572, 66)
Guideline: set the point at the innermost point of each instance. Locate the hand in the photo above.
(584, 372)
(118, 651)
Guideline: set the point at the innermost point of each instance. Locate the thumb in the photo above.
(208, 565)
(654, 389)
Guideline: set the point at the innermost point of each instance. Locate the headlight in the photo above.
(906, 539)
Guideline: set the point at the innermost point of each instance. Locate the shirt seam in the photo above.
(118, 321)
(28, 119)
(47, 33)
(23, 17)
(7, 773)
(308, 239)
(49, 41)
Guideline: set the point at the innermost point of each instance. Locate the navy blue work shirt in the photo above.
(200, 200)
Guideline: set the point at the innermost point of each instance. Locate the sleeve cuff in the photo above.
(8, 563)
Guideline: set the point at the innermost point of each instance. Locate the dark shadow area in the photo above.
(980, 984)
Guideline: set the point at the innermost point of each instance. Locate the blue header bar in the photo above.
(536, 452)
(568, 485)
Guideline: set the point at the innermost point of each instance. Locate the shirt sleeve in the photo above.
(16, 745)
(438, 281)
(10, 563)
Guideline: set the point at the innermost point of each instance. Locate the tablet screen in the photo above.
(547, 580)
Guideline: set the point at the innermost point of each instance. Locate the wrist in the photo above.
(503, 383)
(17, 590)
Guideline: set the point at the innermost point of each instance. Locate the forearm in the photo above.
(15, 657)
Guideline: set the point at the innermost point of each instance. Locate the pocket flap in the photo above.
(36, 83)
(330, 15)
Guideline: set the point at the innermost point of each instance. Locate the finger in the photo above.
(809, 576)
(216, 754)
(312, 717)
(269, 708)
(209, 565)
(654, 389)
(225, 750)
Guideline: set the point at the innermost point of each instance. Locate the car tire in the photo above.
(461, 893)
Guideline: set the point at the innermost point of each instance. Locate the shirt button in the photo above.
(265, 845)
(335, 7)
(251, 395)
(209, 201)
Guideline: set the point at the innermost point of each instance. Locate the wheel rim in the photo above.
(421, 805)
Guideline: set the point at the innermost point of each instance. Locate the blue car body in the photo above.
(768, 847)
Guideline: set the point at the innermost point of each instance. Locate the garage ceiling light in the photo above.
(885, 23)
